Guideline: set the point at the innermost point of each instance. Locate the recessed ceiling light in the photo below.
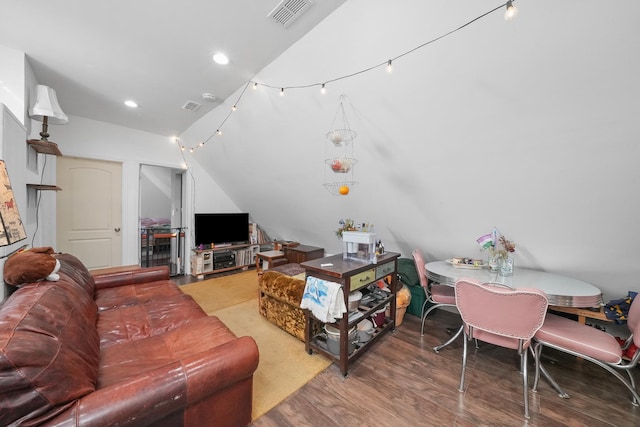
(130, 103)
(220, 58)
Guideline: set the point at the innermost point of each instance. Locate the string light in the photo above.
(511, 11)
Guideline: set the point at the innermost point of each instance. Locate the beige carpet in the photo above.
(284, 365)
(225, 291)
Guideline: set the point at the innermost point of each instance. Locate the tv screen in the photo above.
(221, 228)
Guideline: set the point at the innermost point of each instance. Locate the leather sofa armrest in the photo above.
(155, 395)
(131, 277)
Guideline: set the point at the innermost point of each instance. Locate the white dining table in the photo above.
(561, 290)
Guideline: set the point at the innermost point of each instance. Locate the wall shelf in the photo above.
(44, 147)
(44, 187)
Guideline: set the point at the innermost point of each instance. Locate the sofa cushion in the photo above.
(285, 288)
(290, 269)
(144, 318)
(124, 296)
(49, 348)
(124, 361)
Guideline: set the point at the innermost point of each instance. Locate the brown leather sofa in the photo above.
(125, 348)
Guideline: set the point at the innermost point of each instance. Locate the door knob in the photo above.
(117, 229)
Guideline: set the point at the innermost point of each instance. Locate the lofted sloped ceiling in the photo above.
(157, 53)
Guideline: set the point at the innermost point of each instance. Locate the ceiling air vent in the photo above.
(288, 11)
(191, 106)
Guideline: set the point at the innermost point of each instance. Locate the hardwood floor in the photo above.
(400, 381)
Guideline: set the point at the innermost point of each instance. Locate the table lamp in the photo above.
(47, 110)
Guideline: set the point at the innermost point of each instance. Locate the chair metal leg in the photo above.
(450, 340)
(537, 352)
(525, 382)
(633, 387)
(630, 385)
(464, 363)
(424, 316)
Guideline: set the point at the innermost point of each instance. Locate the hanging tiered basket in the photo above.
(339, 160)
(341, 137)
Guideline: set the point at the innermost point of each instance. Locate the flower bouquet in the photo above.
(499, 249)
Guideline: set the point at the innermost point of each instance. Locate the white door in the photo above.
(89, 211)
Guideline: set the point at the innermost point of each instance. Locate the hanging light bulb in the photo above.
(282, 92)
(511, 11)
(255, 86)
(219, 132)
(233, 108)
(323, 89)
(389, 67)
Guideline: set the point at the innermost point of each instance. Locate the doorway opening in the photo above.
(161, 218)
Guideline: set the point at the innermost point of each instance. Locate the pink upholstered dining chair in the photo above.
(590, 344)
(437, 295)
(501, 316)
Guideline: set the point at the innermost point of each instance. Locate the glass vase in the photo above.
(506, 266)
(493, 262)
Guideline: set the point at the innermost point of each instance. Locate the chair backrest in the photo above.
(419, 260)
(633, 320)
(513, 313)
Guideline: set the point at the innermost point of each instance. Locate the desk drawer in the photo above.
(361, 279)
(384, 270)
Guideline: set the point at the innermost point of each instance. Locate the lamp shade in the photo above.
(46, 105)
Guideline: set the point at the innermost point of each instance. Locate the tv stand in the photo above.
(223, 258)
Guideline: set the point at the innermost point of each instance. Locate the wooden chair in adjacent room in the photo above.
(590, 344)
(500, 316)
(437, 295)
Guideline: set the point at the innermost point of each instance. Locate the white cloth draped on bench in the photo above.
(325, 299)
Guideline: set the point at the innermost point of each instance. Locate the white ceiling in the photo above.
(156, 52)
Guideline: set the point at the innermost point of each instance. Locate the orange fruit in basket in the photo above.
(344, 190)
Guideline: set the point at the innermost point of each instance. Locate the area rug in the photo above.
(284, 365)
(220, 292)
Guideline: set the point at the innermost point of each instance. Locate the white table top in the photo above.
(561, 290)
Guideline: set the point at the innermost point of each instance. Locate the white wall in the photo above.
(530, 126)
(155, 192)
(87, 138)
(12, 81)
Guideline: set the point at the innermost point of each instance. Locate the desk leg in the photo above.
(307, 332)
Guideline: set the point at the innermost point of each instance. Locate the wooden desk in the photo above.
(351, 275)
(582, 313)
(301, 253)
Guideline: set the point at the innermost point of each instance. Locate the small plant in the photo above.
(345, 225)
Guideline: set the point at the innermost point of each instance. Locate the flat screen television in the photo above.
(221, 228)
